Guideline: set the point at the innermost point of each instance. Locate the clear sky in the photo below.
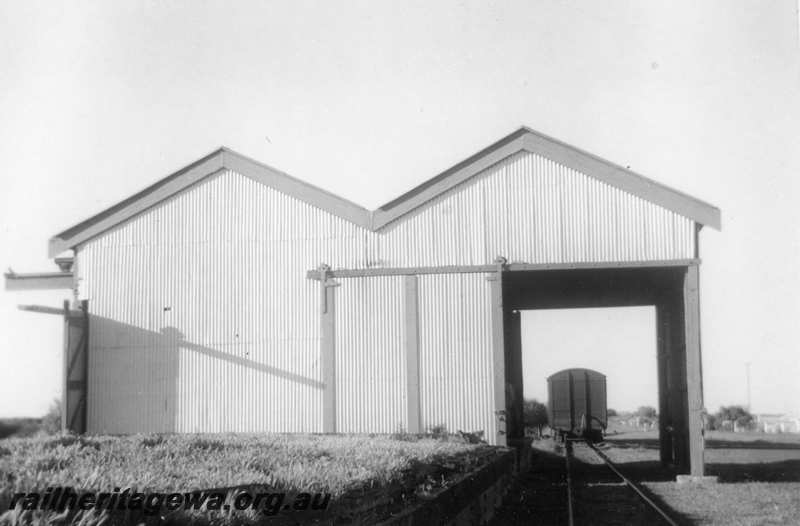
(367, 99)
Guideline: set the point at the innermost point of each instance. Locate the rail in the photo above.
(567, 455)
(628, 482)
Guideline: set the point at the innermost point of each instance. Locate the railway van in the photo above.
(576, 404)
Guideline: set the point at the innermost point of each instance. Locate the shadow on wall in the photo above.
(147, 381)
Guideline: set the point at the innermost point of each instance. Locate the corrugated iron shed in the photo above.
(202, 316)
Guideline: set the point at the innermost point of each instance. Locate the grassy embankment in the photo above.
(353, 469)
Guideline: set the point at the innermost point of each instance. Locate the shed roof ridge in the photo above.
(538, 143)
(617, 166)
(311, 186)
(521, 139)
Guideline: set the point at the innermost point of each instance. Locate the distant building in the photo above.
(642, 423)
(772, 423)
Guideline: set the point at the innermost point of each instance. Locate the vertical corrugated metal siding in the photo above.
(370, 360)
(533, 210)
(456, 366)
(202, 317)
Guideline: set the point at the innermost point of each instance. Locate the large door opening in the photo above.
(670, 291)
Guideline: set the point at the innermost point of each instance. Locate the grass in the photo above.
(759, 477)
(753, 438)
(746, 503)
(344, 466)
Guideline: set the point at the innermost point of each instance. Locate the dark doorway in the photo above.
(673, 292)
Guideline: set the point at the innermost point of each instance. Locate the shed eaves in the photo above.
(523, 139)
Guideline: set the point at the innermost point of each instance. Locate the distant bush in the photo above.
(646, 411)
(711, 422)
(611, 412)
(744, 422)
(534, 414)
(735, 413)
(26, 427)
(51, 422)
(18, 427)
(7, 428)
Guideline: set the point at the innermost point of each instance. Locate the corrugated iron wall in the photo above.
(370, 360)
(202, 318)
(455, 354)
(201, 314)
(456, 366)
(533, 210)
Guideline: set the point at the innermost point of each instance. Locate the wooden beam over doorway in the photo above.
(510, 267)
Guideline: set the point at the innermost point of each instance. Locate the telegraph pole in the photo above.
(747, 368)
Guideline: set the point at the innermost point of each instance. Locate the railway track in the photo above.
(578, 485)
(599, 493)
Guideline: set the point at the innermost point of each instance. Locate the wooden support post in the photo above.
(76, 369)
(65, 373)
(84, 405)
(514, 392)
(499, 353)
(411, 346)
(328, 349)
(694, 381)
(664, 410)
(675, 372)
